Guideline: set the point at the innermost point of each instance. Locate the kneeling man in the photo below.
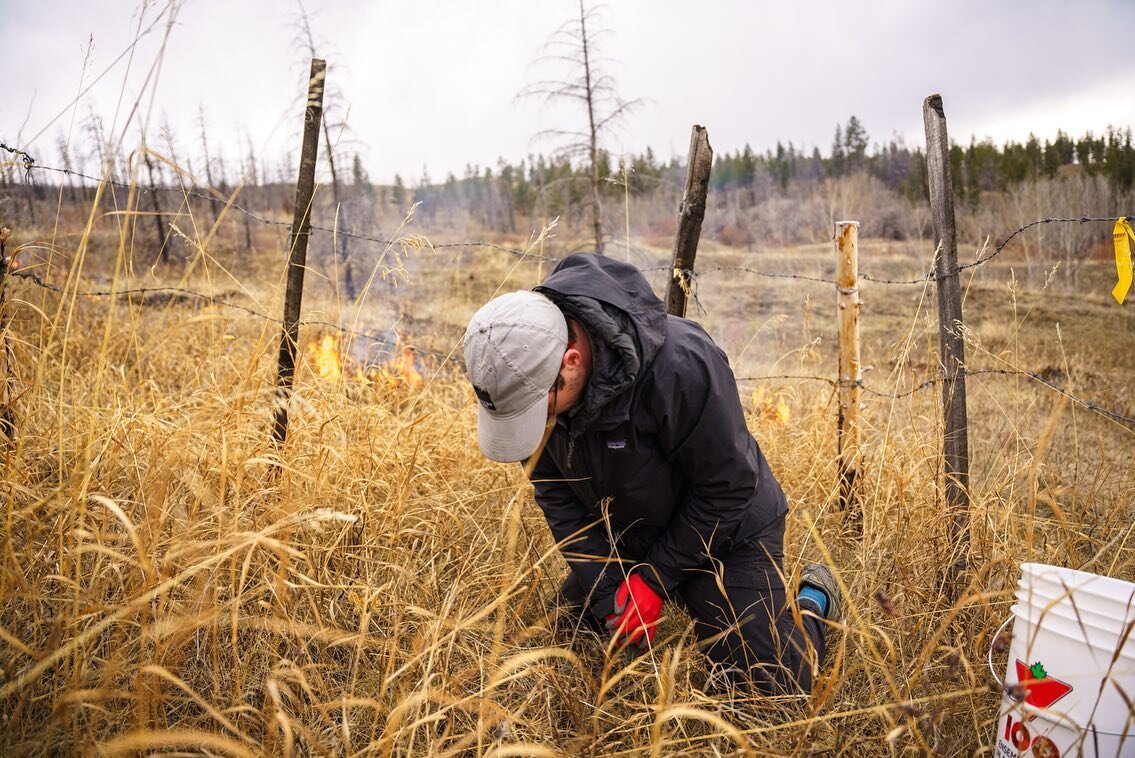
(647, 474)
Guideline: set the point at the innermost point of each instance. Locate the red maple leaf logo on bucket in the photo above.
(1041, 690)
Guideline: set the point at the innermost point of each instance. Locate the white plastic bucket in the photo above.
(1070, 679)
(1075, 608)
(1068, 591)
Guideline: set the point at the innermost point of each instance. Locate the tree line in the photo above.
(781, 196)
(555, 185)
(543, 186)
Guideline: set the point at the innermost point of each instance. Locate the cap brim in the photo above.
(507, 440)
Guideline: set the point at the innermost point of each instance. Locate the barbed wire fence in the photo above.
(28, 165)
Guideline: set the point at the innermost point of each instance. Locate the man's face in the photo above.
(575, 370)
(566, 393)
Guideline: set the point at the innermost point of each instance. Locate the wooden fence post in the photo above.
(955, 441)
(7, 413)
(690, 215)
(297, 245)
(850, 367)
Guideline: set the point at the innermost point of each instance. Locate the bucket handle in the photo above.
(989, 655)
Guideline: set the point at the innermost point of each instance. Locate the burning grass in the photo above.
(173, 583)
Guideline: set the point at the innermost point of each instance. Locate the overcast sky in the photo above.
(433, 83)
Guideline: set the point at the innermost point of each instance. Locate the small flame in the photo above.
(357, 600)
(406, 366)
(772, 409)
(399, 371)
(327, 357)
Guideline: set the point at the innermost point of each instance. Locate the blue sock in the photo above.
(814, 596)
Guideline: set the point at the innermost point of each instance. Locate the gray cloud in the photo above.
(433, 83)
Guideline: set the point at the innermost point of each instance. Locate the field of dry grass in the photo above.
(172, 583)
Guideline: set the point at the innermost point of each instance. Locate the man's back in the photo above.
(670, 443)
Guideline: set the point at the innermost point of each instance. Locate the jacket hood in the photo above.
(615, 283)
(624, 318)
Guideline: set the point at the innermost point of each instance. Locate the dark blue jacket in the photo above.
(656, 459)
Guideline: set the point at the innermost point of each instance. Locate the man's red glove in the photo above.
(637, 609)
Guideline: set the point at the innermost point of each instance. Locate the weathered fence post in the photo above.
(850, 367)
(7, 413)
(297, 246)
(955, 441)
(690, 215)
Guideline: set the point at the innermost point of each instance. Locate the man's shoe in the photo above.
(817, 576)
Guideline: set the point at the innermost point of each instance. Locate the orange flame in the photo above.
(399, 372)
(406, 366)
(327, 357)
(772, 409)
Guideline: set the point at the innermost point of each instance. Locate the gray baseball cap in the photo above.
(514, 347)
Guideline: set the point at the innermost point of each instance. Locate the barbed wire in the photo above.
(715, 269)
(217, 300)
(180, 191)
(1021, 229)
(692, 277)
(1037, 377)
(449, 358)
(29, 162)
(794, 377)
(440, 246)
(413, 240)
(930, 276)
(1083, 403)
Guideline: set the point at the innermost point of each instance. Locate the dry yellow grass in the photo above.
(171, 583)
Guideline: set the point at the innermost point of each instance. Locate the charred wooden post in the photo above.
(297, 246)
(690, 216)
(955, 441)
(7, 413)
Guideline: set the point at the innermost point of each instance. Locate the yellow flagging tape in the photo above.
(1122, 234)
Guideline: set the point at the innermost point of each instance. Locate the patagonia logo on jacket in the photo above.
(616, 444)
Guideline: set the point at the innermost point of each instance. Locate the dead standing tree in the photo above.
(156, 206)
(575, 46)
(342, 224)
(251, 180)
(214, 208)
